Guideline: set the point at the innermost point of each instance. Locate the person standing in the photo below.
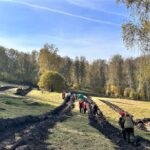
(95, 108)
(80, 105)
(63, 95)
(84, 107)
(121, 124)
(129, 128)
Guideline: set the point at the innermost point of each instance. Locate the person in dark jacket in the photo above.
(121, 123)
(63, 95)
(95, 108)
(129, 128)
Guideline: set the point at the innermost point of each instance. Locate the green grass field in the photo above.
(138, 108)
(34, 103)
(75, 134)
(54, 99)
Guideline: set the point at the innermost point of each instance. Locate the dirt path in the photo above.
(140, 123)
(114, 134)
(32, 135)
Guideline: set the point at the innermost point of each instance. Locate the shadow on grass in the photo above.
(6, 97)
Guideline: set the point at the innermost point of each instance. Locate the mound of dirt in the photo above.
(23, 92)
(4, 88)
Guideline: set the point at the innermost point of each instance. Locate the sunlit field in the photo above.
(139, 109)
(35, 103)
(53, 98)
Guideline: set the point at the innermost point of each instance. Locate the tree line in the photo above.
(117, 77)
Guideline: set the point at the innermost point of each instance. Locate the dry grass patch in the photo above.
(51, 98)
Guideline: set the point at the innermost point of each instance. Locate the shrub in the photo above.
(117, 95)
(142, 95)
(133, 94)
(76, 86)
(53, 81)
(127, 92)
(108, 90)
(115, 91)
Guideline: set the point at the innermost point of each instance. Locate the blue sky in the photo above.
(90, 28)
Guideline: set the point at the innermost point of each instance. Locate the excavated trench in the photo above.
(4, 88)
(114, 134)
(142, 124)
(32, 131)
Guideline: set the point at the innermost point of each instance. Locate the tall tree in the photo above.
(129, 70)
(3, 59)
(66, 69)
(48, 58)
(77, 70)
(82, 71)
(137, 30)
(97, 76)
(116, 76)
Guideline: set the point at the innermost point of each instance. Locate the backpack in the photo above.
(128, 122)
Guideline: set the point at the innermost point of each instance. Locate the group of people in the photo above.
(84, 102)
(127, 125)
(125, 121)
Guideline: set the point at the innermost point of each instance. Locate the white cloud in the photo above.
(64, 13)
(96, 5)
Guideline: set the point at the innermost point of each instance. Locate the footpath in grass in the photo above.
(112, 116)
(76, 134)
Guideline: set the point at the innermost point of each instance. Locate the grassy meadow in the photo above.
(75, 133)
(35, 103)
(76, 127)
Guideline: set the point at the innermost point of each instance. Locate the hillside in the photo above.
(54, 127)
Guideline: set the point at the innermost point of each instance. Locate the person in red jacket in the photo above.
(80, 105)
(84, 107)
